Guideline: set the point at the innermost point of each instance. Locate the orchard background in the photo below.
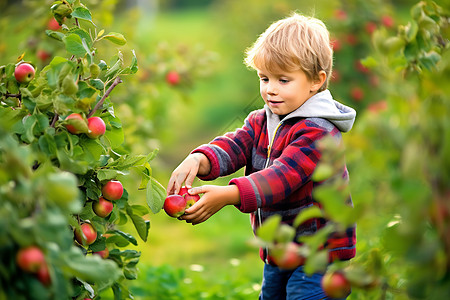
(168, 76)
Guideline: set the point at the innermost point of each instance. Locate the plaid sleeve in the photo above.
(292, 169)
(230, 152)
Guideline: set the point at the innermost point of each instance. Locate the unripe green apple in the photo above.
(102, 207)
(175, 205)
(30, 259)
(335, 285)
(96, 127)
(24, 73)
(112, 190)
(75, 124)
(87, 235)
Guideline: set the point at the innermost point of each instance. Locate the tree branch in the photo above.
(100, 103)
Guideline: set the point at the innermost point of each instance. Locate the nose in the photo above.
(271, 89)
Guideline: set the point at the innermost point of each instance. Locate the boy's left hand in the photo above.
(214, 198)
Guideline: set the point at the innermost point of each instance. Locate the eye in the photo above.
(264, 79)
(284, 81)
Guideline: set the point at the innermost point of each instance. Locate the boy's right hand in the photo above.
(193, 164)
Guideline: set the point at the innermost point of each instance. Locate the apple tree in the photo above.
(62, 161)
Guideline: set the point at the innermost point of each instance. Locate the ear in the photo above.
(317, 84)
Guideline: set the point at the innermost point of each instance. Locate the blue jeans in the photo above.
(290, 285)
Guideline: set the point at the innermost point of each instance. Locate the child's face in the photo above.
(286, 91)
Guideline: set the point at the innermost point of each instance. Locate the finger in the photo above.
(171, 185)
(190, 179)
(198, 190)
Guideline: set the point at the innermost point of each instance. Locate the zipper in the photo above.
(269, 151)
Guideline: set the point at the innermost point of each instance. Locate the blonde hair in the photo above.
(294, 43)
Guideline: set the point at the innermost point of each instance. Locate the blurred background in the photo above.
(209, 92)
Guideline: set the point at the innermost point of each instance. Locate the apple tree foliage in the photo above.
(49, 178)
(398, 157)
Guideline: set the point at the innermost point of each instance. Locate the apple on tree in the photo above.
(288, 256)
(112, 190)
(103, 253)
(87, 235)
(24, 73)
(76, 124)
(173, 78)
(336, 285)
(30, 259)
(43, 275)
(52, 24)
(96, 127)
(102, 207)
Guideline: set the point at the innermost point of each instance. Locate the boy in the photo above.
(277, 145)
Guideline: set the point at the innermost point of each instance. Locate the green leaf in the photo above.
(317, 262)
(55, 34)
(139, 223)
(307, 214)
(108, 174)
(97, 84)
(116, 38)
(125, 235)
(82, 13)
(90, 268)
(267, 231)
(156, 194)
(74, 45)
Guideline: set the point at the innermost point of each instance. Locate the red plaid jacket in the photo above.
(277, 179)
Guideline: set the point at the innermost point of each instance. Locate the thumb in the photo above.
(198, 190)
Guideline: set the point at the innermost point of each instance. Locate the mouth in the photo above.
(274, 102)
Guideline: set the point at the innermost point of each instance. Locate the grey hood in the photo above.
(321, 105)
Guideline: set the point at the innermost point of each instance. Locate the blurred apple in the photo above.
(30, 259)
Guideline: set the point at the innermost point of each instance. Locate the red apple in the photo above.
(173, 78)
(96, 127)
(53, 24)
(112, 190)
(102, 207)
(43, 55)
(387, 21)
(336, 45)
(75, 124)
(341, 14)
(43, 275)
(24, 73)
(30, 259)
(371, 27)
(357, 93)
(335, 285)
(190, 199)
(87, 235)
(103, 253)
(175, 205)
(288, 257)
